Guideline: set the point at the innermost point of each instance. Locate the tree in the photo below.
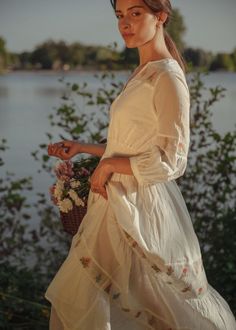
(222, 61)
(176, 28)
(3, 54)
(198, 57)
(233, 57)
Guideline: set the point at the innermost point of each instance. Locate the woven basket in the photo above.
(72, 219)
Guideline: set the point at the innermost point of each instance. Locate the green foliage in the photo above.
(29, 256)
(208, 187)
(21, 301)
(4, 56)
(198, 57)
(223, 61)
(177, 28)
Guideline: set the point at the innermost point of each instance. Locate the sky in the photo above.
(211, 24)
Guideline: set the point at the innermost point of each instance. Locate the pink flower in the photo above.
(64, 170)
(51, 191)
(84, 171)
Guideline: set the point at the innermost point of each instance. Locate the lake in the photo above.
(27, 98)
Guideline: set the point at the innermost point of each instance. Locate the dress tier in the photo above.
(135, 262)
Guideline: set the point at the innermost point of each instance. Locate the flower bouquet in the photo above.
(70, 192)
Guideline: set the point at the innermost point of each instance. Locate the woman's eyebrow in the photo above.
(119, 11)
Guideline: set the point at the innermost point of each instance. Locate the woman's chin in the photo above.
(130, 45)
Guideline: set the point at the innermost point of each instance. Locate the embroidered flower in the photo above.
(108, 288)
(138, 314)
(185, 269)
(116, 295)
(157, 269)
(200, 290)
(151, 321)
(125, 309)
(85, 261)
(188, 288)
(134, 243)
(98, 278)
(170, 270)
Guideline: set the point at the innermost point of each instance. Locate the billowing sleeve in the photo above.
(166, 159)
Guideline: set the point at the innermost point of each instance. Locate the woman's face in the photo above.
(136, 22)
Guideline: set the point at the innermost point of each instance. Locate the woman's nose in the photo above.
(125, 23)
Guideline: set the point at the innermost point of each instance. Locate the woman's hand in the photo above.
(100, 176)
(65, 149)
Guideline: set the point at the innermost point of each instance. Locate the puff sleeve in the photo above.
(166, 159)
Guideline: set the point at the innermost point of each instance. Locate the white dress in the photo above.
(135, 262)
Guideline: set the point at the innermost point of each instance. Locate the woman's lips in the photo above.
(128, 35)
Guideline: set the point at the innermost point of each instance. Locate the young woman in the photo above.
(135, 262)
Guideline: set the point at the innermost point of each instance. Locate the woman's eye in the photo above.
(135, 14)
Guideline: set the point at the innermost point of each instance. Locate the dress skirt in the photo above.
(135, 264)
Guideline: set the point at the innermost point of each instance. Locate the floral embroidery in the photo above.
(85, 261)
(151, 78)
(116, 295)
(170, 270)
(184, 272)
(98, 278)
(134, 243)
(157, 269)
(125, 309)
(138, 313)
(188, 288)
(185, 269)
(108, 288)
(105, 282)
(200, 290)
(151, 321)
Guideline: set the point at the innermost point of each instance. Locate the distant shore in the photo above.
(84, 70)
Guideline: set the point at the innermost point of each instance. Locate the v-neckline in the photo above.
(168, 59)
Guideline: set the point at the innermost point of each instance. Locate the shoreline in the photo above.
(91, 70)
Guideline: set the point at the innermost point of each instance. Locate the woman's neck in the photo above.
(154, 50)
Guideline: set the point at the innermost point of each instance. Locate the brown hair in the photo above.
(157, 6)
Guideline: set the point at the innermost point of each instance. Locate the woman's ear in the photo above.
(161, 18)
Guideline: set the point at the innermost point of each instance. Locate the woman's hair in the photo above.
(157, 6)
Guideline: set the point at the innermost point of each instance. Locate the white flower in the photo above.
(72, 194)
(59, 189)
(74, 183)
(79, 202)
(65, 205)
(75, 197)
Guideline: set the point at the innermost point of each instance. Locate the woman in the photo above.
(136, 258)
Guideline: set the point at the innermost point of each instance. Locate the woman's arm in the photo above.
(93, 149)
(67, 149)
(118, 165)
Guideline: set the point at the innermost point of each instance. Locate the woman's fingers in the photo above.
(59, 149)
(100, 190)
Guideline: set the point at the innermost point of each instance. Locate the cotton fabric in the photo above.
(135, 262)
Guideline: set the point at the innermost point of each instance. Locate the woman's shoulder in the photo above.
(166, 69)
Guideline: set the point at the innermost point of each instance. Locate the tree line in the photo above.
(59, 55)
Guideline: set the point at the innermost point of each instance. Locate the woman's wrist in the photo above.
(118, 165)
(91, 148)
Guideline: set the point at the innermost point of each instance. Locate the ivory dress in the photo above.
(135, 262)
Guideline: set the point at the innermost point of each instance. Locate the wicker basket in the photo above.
(72, 219)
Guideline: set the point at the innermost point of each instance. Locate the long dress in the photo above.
(135, 262)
